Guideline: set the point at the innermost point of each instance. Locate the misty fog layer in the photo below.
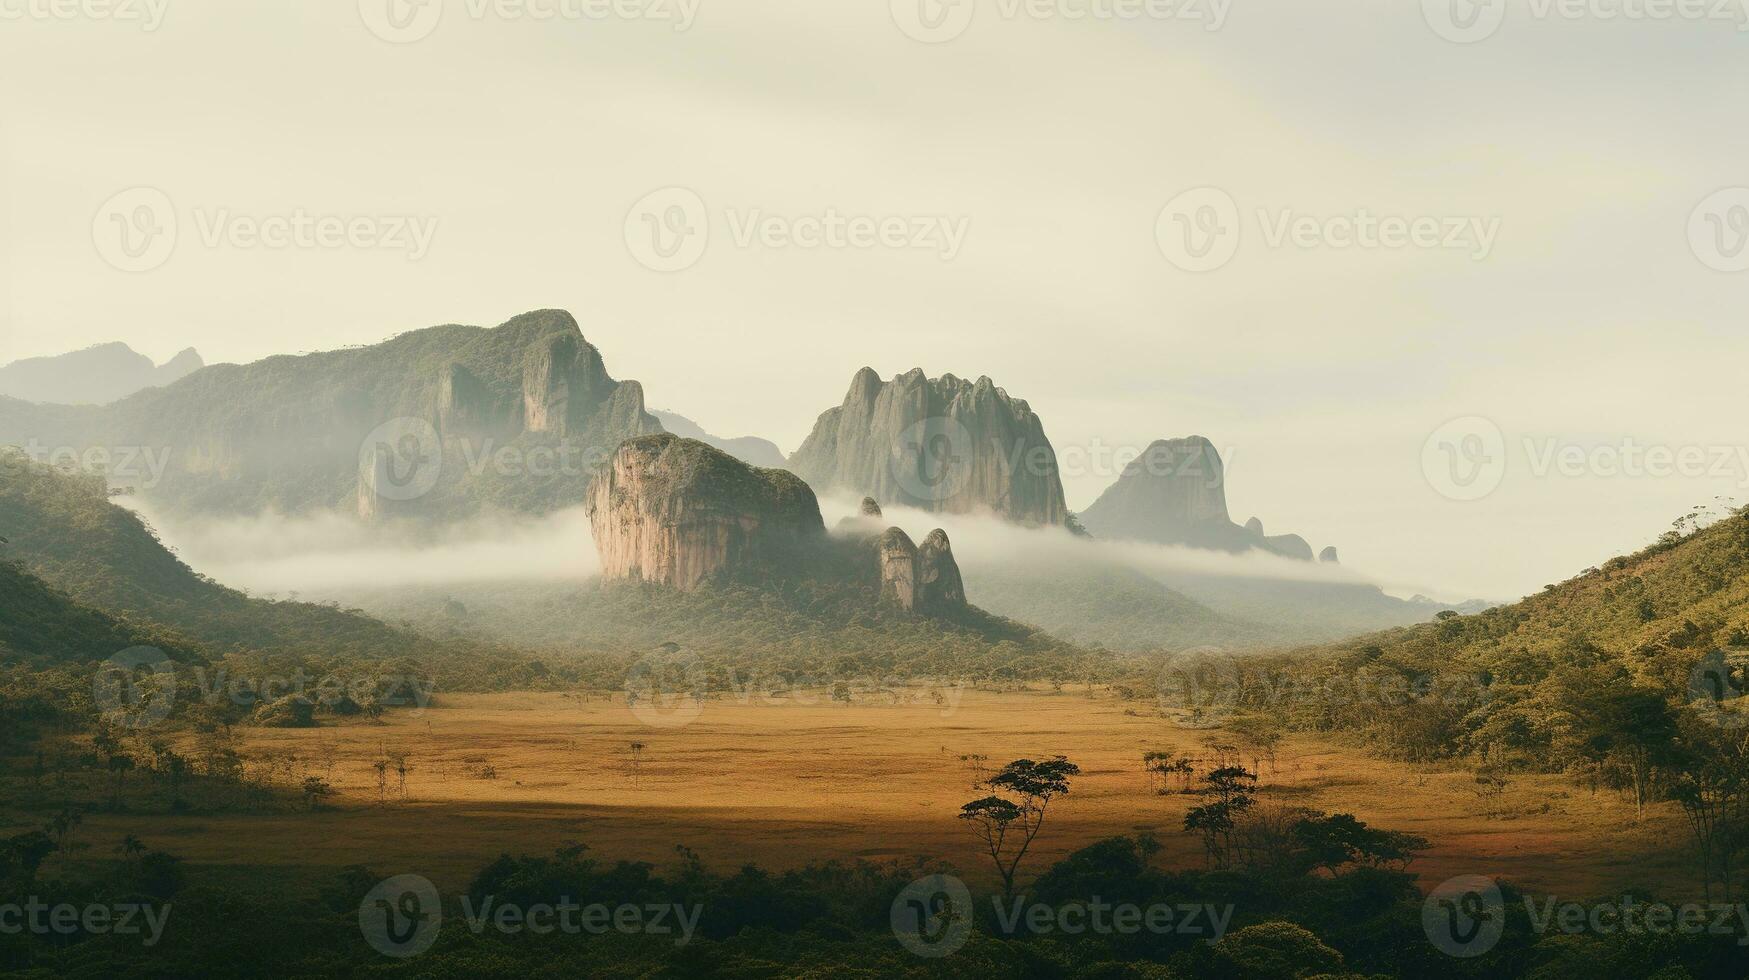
(989, 542)
(322, 554)
(318, 553)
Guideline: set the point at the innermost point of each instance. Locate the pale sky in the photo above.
(521, 144)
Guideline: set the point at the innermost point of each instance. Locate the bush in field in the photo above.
(291, 711)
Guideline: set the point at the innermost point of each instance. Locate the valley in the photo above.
(796, 779)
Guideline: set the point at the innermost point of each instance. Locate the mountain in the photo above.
(748, 449)
(64, 530)
(945, 445)
(677, 512)
(440, 422)
(1175, 493)
(93, 376)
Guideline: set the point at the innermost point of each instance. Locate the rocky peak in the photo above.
(920, 579)
(871, 508)
(945, 445)
(939, 586)
(1328, 556)
(1175, 493)
(898, 564)
(678, 512)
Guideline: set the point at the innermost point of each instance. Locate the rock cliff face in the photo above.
(680, 513)
(923, 580)
(898, 562)
(289, 433)
(944, 445)
(939, 586)
(1176, 493)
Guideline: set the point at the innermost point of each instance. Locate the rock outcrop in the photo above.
(517, 417)
(898, 563)
(680, 513)
(920, 579)
(939, 586)
(1328, 556)
(1175, 493)
(871, 509)
(944, 445)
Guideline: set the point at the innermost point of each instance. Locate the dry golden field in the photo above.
(787, 783)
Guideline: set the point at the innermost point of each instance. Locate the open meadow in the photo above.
(786, 781)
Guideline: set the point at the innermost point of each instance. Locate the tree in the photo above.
(637, 758)
(1007, 824)
(1712, 788)
(119, 766)
(1272, 950)
(1162, 766)
(130, 848)
(1231, 788)
(315, 789)
(1632, 725)
(1333, 841)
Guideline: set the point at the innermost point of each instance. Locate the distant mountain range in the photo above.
(434, 423)
(93, 376)
(748, 449)
(443, 423)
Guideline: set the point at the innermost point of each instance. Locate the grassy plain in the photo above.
(800, 779)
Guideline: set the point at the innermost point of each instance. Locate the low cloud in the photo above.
(328, 553)
(982, 541)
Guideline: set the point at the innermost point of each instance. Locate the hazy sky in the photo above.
(1030, 155)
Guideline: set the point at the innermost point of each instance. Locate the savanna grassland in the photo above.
(783, 781)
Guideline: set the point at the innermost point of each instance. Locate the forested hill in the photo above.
(1543, 672)
(64, 529)
(1654, 613)
(43, 626)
